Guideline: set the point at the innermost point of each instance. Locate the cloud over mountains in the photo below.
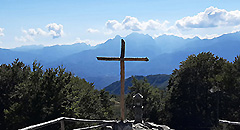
(133, 24)
(211, 17)
(209, 23)
(90, 30)
(54, 31)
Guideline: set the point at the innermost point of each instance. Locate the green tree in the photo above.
(38, 98)
(10, 76)
(34, 96)
(107, 104)
(230, 91)
(84, 101)
(153, 100)
(192, 103)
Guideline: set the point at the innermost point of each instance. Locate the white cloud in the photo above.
(41, 32)
(210, 36)
(24, 38)
(236, 28)
(133, 24)
(87, 41)
(210, 23)
(32, 32)
(90, 30)
(78, 40)
(35, 32)
(1, 32)
(55, 30)
(211, 17)
(156, 25)
(113, 25)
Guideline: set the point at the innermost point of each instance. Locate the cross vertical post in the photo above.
(122, 60)
(122, 65)
(62, 125)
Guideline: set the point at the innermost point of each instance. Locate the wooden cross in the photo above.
(122, 64)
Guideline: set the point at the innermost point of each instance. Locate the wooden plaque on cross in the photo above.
(122, 58)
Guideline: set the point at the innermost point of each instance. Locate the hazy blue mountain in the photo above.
(28, 48)
(159, 80)
(227, 45)
(165, 53)
(170, 43)
(8, 56)
(53, 53)
(162, 59)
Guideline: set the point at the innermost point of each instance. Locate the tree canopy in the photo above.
(154, 100)
(204, 89)
(31, 95)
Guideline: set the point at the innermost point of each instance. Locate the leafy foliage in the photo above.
(153, 100)
(10, 76)
(203, 90)
(30, 96)
(229, 102)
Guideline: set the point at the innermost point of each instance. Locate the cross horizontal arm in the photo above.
(109, 58)
(136, 59)
(125, 59)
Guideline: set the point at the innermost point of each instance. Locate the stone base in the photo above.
(122, 126)
(138, 126)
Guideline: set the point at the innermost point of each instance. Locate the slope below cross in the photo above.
(122, 72)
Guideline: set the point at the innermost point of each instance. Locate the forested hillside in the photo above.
(159, 81)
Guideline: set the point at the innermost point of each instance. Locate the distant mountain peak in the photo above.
(117, 37)
(81, 44)
(194, 38)
(137, 35)
(166, 36)
(28, 47)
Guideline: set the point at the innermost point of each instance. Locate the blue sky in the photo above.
(51, 22)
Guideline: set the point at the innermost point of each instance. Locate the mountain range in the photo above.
(165, 53)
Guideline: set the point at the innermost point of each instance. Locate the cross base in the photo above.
(122, 126)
